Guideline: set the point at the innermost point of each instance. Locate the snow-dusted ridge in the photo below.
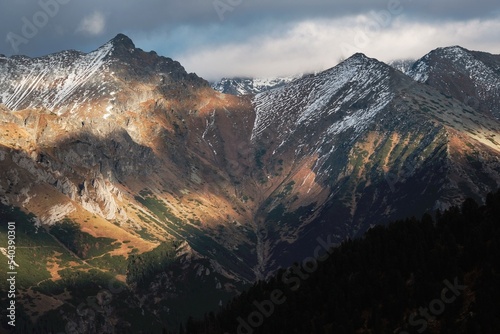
(51, 81)
(248, 86)
(314, 98)
(72, 82)
(471, 77)
(460, 57)
(479, 72)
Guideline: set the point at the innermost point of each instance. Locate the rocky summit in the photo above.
(124, 168)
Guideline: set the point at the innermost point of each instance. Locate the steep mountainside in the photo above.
(129, 147)
(469, 76)
(123, 159)
(364, 144)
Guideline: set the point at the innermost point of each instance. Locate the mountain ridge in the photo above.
(469, 78)
(128, 146)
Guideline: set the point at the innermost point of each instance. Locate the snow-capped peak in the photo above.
(251, 86)
(49, 81)
(122, 40)
(316, 100)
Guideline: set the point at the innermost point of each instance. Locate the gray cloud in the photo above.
(180, 28)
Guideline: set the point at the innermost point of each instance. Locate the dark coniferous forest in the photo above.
(437, 274)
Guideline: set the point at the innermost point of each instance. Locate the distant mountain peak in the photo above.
(251, 86)
(122, 40)
(451, 51)
(453, 48)
(362, 59)
(359, 55)
(469, 76)
(62, 81)
(402, 65)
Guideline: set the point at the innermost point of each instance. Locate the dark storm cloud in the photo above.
(61, 28)
(84, 25)
(217, 38)
(419, 9)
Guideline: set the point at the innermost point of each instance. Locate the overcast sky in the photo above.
(263, 38)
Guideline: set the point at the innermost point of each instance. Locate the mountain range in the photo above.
(248, 86)
(128, 169)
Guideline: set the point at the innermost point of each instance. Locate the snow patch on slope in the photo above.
(361, 118)
(81, 73)
(51, 81)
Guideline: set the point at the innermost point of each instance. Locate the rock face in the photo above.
(129, 141)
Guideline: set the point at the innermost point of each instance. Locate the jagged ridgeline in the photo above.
(138, 188)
